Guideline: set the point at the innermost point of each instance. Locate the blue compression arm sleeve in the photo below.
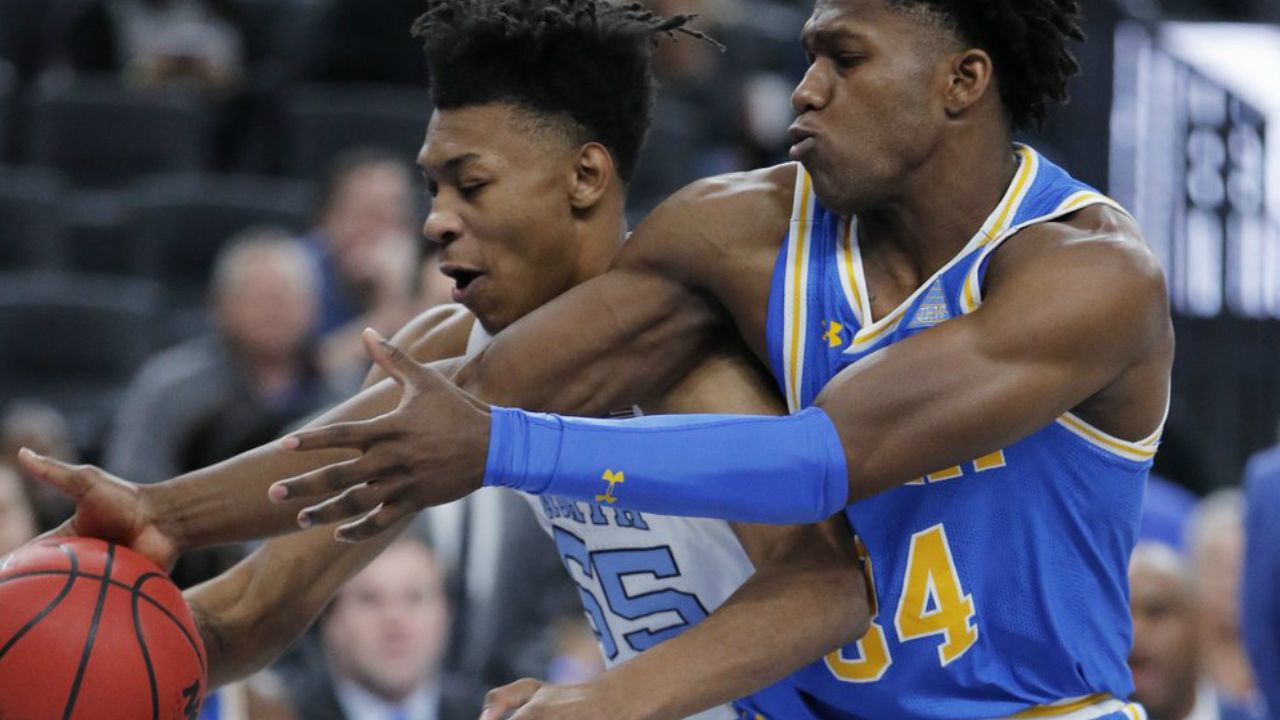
(780, 470)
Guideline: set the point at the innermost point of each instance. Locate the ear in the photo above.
(592, 172)
(971, 77)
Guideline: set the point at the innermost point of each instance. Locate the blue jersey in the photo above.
(1000, 585)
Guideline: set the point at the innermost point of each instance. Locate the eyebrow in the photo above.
(453, 164)
(828, 37)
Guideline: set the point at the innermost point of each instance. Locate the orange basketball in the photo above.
(90, 630)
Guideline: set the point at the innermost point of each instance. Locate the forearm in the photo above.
(228, 502)
(791, 612)
(250, 614)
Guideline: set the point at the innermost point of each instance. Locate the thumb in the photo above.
(72, 481)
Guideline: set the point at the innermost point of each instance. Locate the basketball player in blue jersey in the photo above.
(976, 349)
(525, 195)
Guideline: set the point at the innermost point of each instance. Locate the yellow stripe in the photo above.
(1043, 711)
(1122, 447)
(1131, 711)
(1019, 185)
(862, 313)
(801, 230)
(1024, 174)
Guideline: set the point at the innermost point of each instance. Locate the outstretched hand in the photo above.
(107, 508)
(430, 450)
(529, 699)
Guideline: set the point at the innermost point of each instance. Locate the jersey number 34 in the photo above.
(933, 603)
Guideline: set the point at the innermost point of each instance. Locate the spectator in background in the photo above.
(1167, 659)
(213, 397)
(41, 427)
(154, 43)
(384, 638)
(17, 517)
(365, 244)
(1216, 543)
(1260, 617)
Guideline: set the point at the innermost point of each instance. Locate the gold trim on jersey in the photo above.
(994, 226)
(849, 263)
(971, 298)
(795, 292)
(1139, 451)
(1085, 708)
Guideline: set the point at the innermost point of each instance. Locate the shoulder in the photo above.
(715, 217)
(1097, 254)
(441, 332)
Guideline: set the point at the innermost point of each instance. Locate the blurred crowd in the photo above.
(203, 202)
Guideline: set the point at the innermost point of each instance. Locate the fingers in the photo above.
(500, 701)
(353, 503)
(394, 361)
(375, 523)
(72, 481)
(355, 435)
(324, 482)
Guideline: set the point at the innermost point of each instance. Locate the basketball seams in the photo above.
(72, 574)
(93, 632)
(136, 593)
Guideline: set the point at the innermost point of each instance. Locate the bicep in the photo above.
(1056, 332)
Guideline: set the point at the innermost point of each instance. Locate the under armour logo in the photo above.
(832, 335)
(613, 479)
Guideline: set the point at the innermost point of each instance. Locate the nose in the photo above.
(443, 226)
(813, 91)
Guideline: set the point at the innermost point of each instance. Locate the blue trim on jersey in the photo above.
(1036, 538)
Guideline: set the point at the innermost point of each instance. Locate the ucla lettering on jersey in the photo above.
(1000, 585)
(646, 578)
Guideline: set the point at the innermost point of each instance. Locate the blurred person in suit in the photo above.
(212, 397)
(383, 639)
(1215, 539)
(1167, 659)
(1260, 593)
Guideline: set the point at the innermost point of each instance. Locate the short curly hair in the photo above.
(1028, 42)
(585, 61)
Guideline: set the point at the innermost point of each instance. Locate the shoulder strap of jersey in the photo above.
(796, 288)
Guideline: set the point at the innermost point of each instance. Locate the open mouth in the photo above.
(463, 278)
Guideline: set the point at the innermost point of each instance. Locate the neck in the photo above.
(600, 236)
(943, 203)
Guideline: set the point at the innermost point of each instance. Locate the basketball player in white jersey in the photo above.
(529, 196)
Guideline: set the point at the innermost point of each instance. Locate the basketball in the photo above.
(90, 630)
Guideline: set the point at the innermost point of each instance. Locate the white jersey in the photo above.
(642, 578)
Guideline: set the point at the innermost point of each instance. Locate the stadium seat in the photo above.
(177, 224)
(32, 221)
(325, 120)
(102, 134)
(73, 340)
(8, 87)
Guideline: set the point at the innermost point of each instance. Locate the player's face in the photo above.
(501, 212)
(388, 626)
(870, 106)
(1164, 648)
